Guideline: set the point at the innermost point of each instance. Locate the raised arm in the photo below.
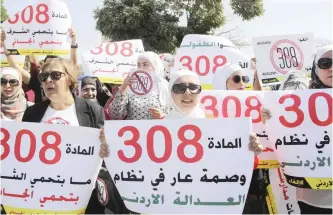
(11, 61)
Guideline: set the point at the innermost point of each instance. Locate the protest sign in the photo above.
(231, 104)
(277, 55)
(111, 62)
(19, 59)
(281, 196)
(40, 171)
(143, 85)
(300, 131)
(205, 54)
(39, 29)
(168, 60)
(168, 166)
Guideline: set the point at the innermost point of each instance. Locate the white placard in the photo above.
(284, 195)
(168, 60)
(300, 131)
(277, 55)
(111, 62)
(39, 29)
(231, 104)
(166, 166)
(204, 54)
(40, 171)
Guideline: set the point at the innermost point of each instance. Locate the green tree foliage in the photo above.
(4, 14)
(157, 22)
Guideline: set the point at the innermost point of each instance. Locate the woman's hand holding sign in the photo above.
(128, 81)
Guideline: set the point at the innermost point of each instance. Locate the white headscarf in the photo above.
(320, 52)
(162, 84)
(223, 74)
(176, 112)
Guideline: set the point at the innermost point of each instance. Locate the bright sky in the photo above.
(280, 17)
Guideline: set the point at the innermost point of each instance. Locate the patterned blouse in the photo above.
(134, 107)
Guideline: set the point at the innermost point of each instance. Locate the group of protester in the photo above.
(53, 88)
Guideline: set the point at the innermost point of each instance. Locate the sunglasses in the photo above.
(181, 88)
(55, 76)
(238, 78)
(324, 63)
(12, 82)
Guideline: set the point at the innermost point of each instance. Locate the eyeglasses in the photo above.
(181, 88)
(12, 82)
(238, 78)
(55, 76)
(325, 63)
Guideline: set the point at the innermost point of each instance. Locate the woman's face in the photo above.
(186, 100)
(145, 65)
(236, 82)
(9, 85)
(325, 75)
(56, 86)
(89, 92)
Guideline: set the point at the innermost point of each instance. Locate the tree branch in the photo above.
(228, 31)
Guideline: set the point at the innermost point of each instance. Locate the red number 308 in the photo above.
(168, 144)
(311, 107)
(42, 15)
(32, 146)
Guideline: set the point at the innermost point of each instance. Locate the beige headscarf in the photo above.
(13, 107)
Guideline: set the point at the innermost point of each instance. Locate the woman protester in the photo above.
(185, 89)
(59, 79)
(311, 201)
(232, 77)
(135, 107)
(13, 101)
(30, 79)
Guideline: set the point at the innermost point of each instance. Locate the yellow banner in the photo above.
(13, 210)
(37, 52)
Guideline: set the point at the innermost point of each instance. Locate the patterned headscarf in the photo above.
(13, 107)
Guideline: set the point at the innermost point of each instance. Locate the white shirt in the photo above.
(61, 117)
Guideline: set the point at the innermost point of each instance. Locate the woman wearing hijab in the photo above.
(312, 201)
(135, 107)
(88, 88)
(185, 89)
(13, 101)
(322, 68)
(232, 77)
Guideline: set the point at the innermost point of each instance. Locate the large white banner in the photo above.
(204, 54)
(277, 55)
(231, 104)
(300, 131)
(111, 62)
(40, 29)
(41, 167)
(168, 166)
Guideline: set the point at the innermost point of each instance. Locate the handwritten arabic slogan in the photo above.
(231, 104)
(111, 62)
(300, 131)
(277, 55)
(168, 60)
(204, 54)
(39, 29)
(166, 166)
(39, 167)
(3, 59)
(284, 194)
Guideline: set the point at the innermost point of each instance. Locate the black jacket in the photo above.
(89, 114)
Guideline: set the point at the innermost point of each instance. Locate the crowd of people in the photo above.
(50, 93)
